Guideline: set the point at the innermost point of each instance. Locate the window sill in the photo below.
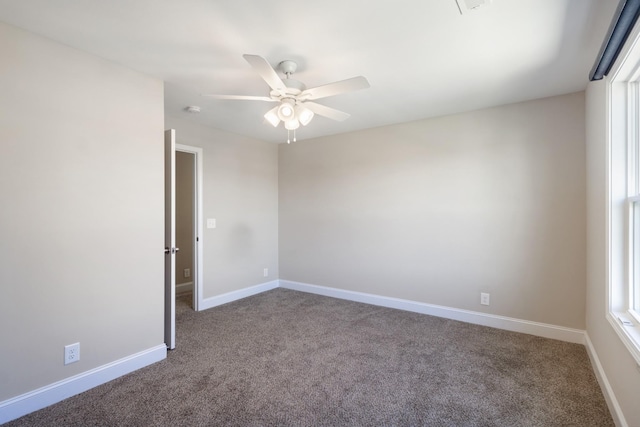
(629, 332)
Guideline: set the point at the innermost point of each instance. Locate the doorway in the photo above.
(185, 224)
(189, 222)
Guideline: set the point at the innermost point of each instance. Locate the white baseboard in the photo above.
(184, 287)
(37, 399)
(494, 321)
(605, 386)
(236, 295)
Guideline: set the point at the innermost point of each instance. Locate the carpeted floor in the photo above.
(286, 358)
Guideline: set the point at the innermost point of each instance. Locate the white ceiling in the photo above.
(421, 57)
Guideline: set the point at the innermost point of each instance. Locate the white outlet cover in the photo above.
(71, 353)
(484, 298)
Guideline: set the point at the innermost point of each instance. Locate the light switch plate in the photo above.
(211, 223)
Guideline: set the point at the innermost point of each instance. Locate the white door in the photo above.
(170, 238)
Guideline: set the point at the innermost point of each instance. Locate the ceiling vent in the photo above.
(466, 6)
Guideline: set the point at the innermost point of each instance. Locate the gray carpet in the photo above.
(286, 358)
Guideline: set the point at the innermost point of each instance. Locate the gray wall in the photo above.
(240, 191)
(617, 362)
(442, 209)
(81, 179)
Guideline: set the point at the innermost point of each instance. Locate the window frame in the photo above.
(623, 195)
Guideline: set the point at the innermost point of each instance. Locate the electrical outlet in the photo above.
(187, 272)
(71, 353)
(266, 272)
(484, 298)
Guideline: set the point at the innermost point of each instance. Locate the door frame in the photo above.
(198, 236)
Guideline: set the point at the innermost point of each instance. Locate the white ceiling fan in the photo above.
(295, 106)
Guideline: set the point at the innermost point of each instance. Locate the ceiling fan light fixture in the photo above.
(272, 116)
(293, 100)
(286, 110)
(304, 115)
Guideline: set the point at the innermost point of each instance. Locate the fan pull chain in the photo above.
(289, 136)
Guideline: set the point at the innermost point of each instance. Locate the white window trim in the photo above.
(623, 125)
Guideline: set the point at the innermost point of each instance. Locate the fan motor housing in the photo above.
(294, 84)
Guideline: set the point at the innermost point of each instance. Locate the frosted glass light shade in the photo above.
(272, 116)
(304, 115)
(292, 124)
(285, 110)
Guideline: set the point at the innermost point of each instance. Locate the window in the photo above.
(633, 203)
(624, 195)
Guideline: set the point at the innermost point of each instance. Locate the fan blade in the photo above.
(325, 111)
(267, 72)
(331, 89)
(240, 97)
